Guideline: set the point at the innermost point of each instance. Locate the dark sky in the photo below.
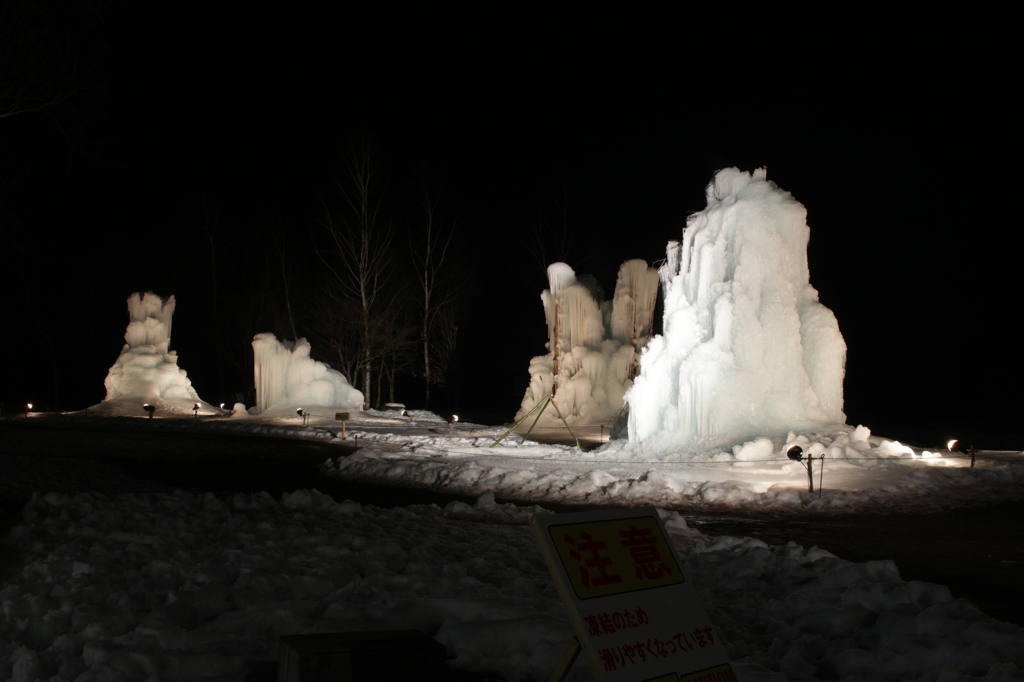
(896, 140)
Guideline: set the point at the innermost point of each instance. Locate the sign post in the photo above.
(636, 616)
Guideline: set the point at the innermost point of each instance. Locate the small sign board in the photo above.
(636, 615)
(342, 416)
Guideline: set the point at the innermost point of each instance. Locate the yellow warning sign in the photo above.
(610, 557)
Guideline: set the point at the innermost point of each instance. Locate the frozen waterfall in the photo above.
(747, 348)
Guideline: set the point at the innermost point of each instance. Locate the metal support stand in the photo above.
(572, 650)
(542, 405)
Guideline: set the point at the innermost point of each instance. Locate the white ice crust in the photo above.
(288, 378)
(747, 348)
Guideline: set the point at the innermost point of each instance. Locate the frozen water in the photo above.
(147, 370)
(592, 345)
(288, 378)
(747, 347)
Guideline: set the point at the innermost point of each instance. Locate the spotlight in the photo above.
(951, 445)
(149, 408)
(302, 413)
(795, 453)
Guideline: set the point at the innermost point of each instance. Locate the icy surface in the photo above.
(593, 345)
(862, 473)
(192, 587)
(288, 378)
(147, 370)
(747, 347)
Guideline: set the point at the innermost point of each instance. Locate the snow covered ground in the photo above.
(191, 586)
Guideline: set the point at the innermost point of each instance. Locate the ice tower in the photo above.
(747, 349)
(147, 370)
(593, 345)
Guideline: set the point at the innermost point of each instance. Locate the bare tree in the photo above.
(431, 250)
(361, 262)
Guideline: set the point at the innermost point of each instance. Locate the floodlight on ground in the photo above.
(951, 444)
(795, 453)
(149, 408)
(302, 413)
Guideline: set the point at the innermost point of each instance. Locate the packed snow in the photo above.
(747, 348)
(192, 586)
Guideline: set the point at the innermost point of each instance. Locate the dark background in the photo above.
(150, 119)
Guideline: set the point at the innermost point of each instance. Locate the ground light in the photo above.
(796, 453)
(149, 408)
(28, 408)
(451, 424)
(195, 411)
(302, 413)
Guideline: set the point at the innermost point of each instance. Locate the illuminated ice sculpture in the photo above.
(288, 378)
(747, 348)
(147, 370)
(593, 345)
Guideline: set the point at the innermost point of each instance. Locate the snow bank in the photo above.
(182, 586)
(747, 348)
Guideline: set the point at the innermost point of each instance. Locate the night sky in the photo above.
(896, 139)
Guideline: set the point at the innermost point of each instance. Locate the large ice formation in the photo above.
(593, 346)
(287, 378)
(747, 349)
(147, 370)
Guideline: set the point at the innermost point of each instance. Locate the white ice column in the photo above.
(747, 348)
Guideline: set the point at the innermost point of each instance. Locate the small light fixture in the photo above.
(451, 424)
(951, 444)
(195, 411)
(302, 413)
(28, 408)
(150, 409)
(795, 453)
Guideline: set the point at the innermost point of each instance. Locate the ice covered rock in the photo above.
(747, 349)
